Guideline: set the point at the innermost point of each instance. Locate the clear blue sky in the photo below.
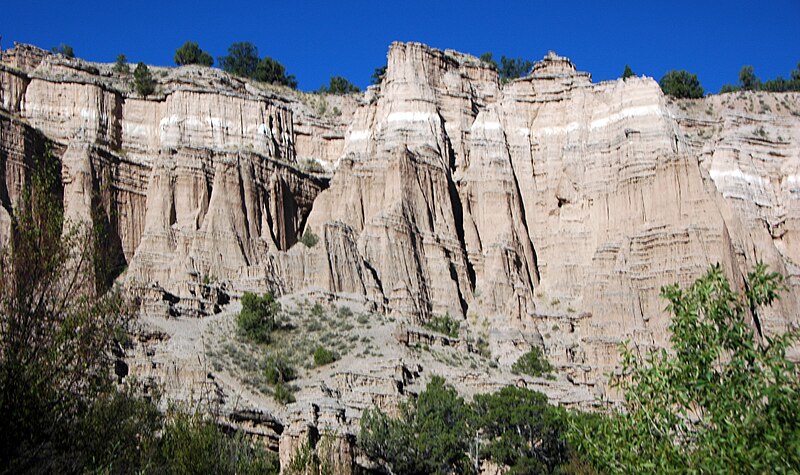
(315, 40)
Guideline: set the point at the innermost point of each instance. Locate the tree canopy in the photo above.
(628, 72)
(339, 85)
(256, 320)
(437, 432)
(143, 80)
(723, 398)
(681, 84)
(271, 71)
(121, 65)
(378, 74)
(242, 60)
(748, 81)
(509, 68)
(190, 53)
(64, 49)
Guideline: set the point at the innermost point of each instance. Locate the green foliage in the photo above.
(339, 85)
(488, 58)
(143, 80)
(121, 65)
(378, 74)
(64, 49)
(256, 320)
(509, 68)
(58, 329)
(119, 432)
(271, 71)
(309, 239)
(532, 363)
(190, 53)
(430, 436)
(277, 370)
(512, 68)
(193, 444)
(722, 399)
(306, 461)
(681, 84)
(242, 60)
(283, 393)
(514, 427)
(323, 356)
(628, 72)
(521, 430)
(56, 332)
(748, 80)
(444, 324)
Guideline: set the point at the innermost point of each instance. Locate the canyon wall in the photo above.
(546, 211)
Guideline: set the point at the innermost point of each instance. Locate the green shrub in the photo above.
(339, 85)
(193, 444)
(317, 310)
(277, 370)
(283, 393)
(681, 84)
(143, 80)
(121, 65)
(271, 71)
(509, 68)
(64, 49)
(748, 81)
(190, 53)
(444, 324)
(378, 75)
(323, 356)
(532, 363)
(309, 239)
(242, 60)
(256, 320)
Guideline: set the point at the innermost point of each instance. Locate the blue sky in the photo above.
(315, 40)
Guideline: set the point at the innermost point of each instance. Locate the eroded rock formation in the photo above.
(547, 211)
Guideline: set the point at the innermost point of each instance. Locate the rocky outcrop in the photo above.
(547, 211)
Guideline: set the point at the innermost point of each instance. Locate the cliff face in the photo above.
(547, 211)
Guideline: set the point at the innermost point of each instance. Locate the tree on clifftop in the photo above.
(339, 85)
(748, 81)
(273, 72)
(143, 80)
(241, 60)
(121, 65)
(190, 53)
(681, 84)
(628, 72)
(64, 49)
(378, 74)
